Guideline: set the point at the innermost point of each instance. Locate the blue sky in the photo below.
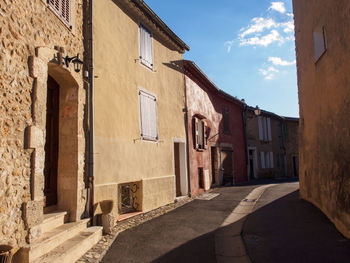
(245, 46)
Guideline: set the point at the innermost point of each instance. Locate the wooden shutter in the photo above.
(148, 116)
(146, 48)
(267, 160)
(142, 42)
(271, 160)
(55, 4)
(265, 128)
(269, 134)
(262, 157)
(196, 133)
(153, 118)
(66, 10)
(261, 132)
(205, 139)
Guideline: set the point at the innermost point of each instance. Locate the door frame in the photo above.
(183, 166)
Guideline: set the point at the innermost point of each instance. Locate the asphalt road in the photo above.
(183, 235)
(285, 229)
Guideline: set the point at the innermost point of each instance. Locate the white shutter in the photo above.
(146, 48)
(271, 160)
(153, 118)
(269, 134)
(148, 113)
(265, 128)
(267, 160)
(142, 43)
(261, 132)
(262, 157)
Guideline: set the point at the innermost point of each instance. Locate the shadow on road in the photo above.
(292, 230)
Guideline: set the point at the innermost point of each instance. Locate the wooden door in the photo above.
(177, 168)
(51, 145)
(227, 165)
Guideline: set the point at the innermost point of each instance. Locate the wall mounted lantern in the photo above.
(257, 111)
(78, 64)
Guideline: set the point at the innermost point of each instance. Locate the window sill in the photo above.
(200, 150)
(151, 68)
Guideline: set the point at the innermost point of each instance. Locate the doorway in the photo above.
(295, 166)
(214, 166)
(227, 165)
(180, 169)
(51, 144)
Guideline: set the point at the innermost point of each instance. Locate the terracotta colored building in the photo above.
(322, 37)
(216, 141)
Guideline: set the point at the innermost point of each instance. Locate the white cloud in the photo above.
(288, 27)
(268, 73)
(229, 45)
(278, 6)
(265, 31)
(265, 40)
(280, 62)
(259, 24)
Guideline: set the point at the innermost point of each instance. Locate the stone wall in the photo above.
(25, 26)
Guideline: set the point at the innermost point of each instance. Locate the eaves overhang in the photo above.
(158, 22)
(191, 68)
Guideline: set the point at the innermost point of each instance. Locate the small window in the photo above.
(148, 116)
(200, 133)
(226, 120)
(146, 47)
(320, 42)
(62, 8)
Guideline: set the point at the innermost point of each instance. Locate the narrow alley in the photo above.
(282, 228)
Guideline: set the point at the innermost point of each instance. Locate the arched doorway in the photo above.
(52, 142)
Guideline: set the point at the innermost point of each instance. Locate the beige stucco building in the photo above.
(322, 47)
(42, 136)
(272, 143)
(139, 101)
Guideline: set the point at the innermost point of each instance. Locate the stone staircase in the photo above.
(61, 242)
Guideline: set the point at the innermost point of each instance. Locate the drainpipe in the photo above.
(91, 111)
(244, 118)
(186, 130)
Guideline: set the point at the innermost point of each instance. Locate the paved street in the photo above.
(284, 228)
(183, 235)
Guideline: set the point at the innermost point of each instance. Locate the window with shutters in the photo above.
(62, 8)
(320, 42)
(200, 133)
(265, 133)
(266, 160)
(148, 116)
(146, 47)
(226, 120)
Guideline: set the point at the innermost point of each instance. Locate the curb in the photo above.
(229, 245)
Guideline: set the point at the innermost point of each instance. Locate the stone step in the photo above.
(53, 220)
(72, 249)
(53, 238)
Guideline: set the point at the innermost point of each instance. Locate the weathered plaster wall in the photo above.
(25, 26)
(120, 155)
(203, 102)
(324, 100)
